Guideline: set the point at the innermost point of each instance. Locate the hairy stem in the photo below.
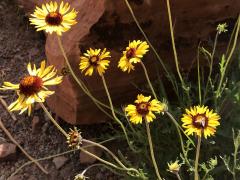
(53, 120)
(196, 176)
(148, 80)
(179, 127)
(106, 149)
(113, 113)
(174, 48)
(151, 150)
(199, 78)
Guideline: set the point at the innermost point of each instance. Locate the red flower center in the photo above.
(30, 85)
(142, 108)
(54, 18)
(74, 138)
(94, 60)
(200, 121)
(130, 53)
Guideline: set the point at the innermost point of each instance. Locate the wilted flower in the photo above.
(199, 119)
(133, 54)
(80, 177)
(222, 28)
(94, 60)
(33, 87)
(54, 18)
(174, 167)
(143, 108)
(74, 138)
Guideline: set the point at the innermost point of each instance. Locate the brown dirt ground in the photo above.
(20, 44)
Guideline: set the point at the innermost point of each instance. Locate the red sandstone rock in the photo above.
(7, 151)
(86, 159)
(108, 23)
(36, 124)
(59, 161)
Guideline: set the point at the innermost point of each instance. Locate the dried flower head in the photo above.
(33, 87)
(74, 138)
(143, 109)
(222, 28)
(94, 59)
(54, 18)
(133, 54)
(174, 167)
(200, 120)
(80, 177)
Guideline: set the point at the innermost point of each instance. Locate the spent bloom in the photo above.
(33, 87)
(133, 54)
(200, 120)
(52, 17)
(74, 138)
(94, 59)
(222, 28)
(80, 177)
(174, 167)
(144, 109)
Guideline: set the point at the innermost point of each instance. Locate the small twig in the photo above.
(20, 147)
(3, 102)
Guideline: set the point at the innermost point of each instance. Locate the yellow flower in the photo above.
(133, 54)
(174, 167)
(32, 88)
(54, 18)
(94, 59)
(143, 109)
(199, 119)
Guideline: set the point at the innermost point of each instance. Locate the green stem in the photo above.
(178, 176)
(100, 164)
(199, 78)
(211, 64)
(79, 82)
(113, 113)
(196, 176)
(174, 48)
(168, 75)
(101, 160)
(151, 150)
(180, 136)
(178, 126)
(148, 80)
(53, 120)
(218, 94)
(231, 38)
(236, 146)
(204, 177)
(107, 150)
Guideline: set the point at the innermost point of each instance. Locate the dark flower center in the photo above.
(130, 53)
(142, 108)
(54, 19)
(30, 85)
(94, 60)
(200, 121)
